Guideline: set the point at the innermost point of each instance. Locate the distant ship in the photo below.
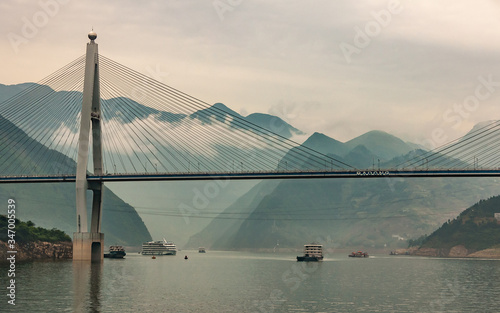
(312, 253)
(359, 254)
(159, 248)
(115, 252)
(201, 250)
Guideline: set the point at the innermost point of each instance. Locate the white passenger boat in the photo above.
(159, 248)
(312, 253)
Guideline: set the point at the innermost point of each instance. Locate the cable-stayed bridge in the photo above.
(151, 131)
(138, 129)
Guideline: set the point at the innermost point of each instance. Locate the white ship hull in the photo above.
(159, 248)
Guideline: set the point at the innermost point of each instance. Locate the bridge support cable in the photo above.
(141, 136)
(48, 139)
(234, 139)
(148, 127)
(480, 145)
(36, 119)
(152, 127)
(195, 104)
(221, 139)
(154, 131)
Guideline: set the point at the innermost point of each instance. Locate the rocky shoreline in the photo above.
(38, 250)
(455, 252)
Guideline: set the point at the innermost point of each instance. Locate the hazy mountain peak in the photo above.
(326, 145)
(320, 136)
(376, 134)
(223, 107)
(320, 139)
(381, 143)
(480, 125)
(274, 124)
(218, 110)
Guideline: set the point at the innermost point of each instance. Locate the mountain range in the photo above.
(159, 203)
(345, 213)
(262, 215)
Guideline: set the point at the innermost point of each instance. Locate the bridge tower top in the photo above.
(92, 35)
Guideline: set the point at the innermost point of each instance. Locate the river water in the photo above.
(252, 282)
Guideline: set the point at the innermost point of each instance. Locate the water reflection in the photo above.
(95, 286)
(87, 278)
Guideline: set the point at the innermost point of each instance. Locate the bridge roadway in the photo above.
(367, 173)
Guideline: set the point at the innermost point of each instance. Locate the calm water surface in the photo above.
(250, 282)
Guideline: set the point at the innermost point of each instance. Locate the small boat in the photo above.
(153, 257)
(312, 253)
(115, 252)
(359, 254)
(185, 257)
(201, 250)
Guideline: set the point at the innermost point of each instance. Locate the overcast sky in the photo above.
(425, 71)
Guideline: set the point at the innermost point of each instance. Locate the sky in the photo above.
(425, 71)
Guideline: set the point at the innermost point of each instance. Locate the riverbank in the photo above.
(455, 252)
(38, 250)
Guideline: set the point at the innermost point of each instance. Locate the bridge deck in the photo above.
(257, 175)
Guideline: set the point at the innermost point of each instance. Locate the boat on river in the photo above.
(312, 253)
(115, 252)
(359, 254)
(159, 248)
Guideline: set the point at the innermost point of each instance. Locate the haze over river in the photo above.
(252, 282)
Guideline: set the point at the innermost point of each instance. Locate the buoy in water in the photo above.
(185, 257)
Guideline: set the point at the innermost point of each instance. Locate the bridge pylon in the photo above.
(89, 245)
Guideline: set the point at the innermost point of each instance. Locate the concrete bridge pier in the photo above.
(89, 245)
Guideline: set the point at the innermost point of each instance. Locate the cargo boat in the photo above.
(358, 254)
(115, 252)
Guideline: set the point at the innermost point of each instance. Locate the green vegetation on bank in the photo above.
(475, 228)
(27, 232)
(417, 242)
